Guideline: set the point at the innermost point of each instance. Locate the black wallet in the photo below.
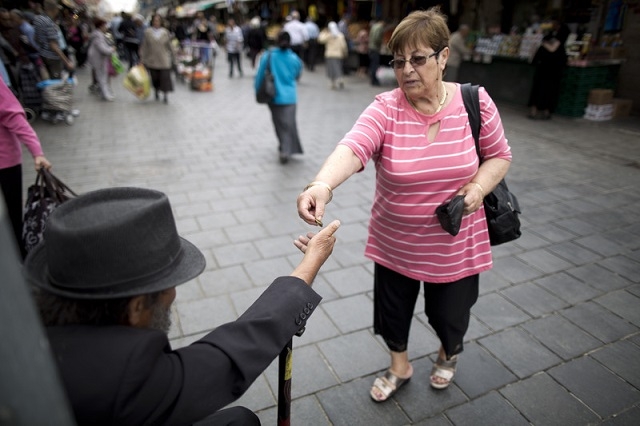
(450, 214)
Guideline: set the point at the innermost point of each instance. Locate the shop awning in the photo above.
(189, 9)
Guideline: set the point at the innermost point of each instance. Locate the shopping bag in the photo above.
(138, 82)
(47, 193)
(117, 65)
(57, 95)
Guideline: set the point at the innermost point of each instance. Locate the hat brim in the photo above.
(190, 265)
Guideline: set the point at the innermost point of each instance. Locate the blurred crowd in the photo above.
(48, 40)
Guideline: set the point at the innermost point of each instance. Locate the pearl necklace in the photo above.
(441, 102)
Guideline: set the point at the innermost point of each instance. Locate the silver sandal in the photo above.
(388, 384)
(445, 370)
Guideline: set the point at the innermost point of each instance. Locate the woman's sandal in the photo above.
(444, 370)
(388, 385)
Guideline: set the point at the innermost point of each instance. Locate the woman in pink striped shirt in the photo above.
(420, 141)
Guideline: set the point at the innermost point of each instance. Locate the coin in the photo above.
(319, 223)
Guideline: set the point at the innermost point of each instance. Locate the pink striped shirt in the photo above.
(414, 176)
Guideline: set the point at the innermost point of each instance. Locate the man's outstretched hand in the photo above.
(316, 248)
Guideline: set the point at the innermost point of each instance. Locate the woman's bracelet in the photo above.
(319, 183)
(480, 188)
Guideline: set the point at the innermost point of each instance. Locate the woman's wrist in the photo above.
(477, 185)
(324, 185)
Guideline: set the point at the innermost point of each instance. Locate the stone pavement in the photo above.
(554, 337)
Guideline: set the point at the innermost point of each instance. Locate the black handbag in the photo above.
(47, 193)
(500, 206)
(267, 89)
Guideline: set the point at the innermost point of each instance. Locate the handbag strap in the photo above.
(55, 186)
(268, 65)
(472, 105)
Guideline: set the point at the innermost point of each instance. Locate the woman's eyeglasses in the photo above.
(415, 61)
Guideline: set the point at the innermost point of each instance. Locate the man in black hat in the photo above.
(106, 274)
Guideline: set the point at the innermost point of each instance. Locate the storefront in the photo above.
(504, 45)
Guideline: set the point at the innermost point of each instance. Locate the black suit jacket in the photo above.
(117, 375)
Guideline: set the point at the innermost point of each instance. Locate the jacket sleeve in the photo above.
(216, 370)
(103, 47)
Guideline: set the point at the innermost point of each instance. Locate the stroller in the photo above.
(57, 97)
(50, 100)
(28, 92)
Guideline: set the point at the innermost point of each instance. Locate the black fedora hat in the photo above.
(112, 243)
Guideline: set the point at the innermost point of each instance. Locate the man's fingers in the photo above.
(330, 229)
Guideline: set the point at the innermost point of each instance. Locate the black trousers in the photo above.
(311, 54)
(11, 185)
(447, 306)
(234, 57)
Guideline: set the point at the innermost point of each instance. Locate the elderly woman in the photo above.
(99, 56)
(419, 138)
(157, 55)
(335, 51)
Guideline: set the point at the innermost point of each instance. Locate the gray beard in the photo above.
(161, 318)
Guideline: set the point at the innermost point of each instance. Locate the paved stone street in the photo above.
(554, 337)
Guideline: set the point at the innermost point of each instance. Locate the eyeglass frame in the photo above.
(413, 60)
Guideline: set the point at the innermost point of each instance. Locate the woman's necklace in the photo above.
(441, 103)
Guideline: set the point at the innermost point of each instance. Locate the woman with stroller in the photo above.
(99, 55)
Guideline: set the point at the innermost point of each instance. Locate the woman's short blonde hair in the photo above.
(421, 28)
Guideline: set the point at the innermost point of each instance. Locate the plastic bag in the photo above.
(138, 82)
(118, 66)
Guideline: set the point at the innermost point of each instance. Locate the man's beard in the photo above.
(161, 318)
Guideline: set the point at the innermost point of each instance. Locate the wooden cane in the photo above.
(284, 384)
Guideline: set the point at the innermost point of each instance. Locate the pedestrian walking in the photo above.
(233, 45)
(298, 33)
(375, 45)
(335, 52)
(99, 57)
(286, 68)
(311, 52)
(256, 39)
(50, 40)
(157, 56)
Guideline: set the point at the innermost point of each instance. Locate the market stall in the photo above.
(501, 63)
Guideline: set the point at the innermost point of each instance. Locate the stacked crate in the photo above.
(576, 84)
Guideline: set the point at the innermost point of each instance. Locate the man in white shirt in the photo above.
(298, 32)
(233, 44)
(312, 46)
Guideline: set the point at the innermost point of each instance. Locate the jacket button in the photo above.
(298, 321)
(309, 305)
(303, 316)
(306, 311)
